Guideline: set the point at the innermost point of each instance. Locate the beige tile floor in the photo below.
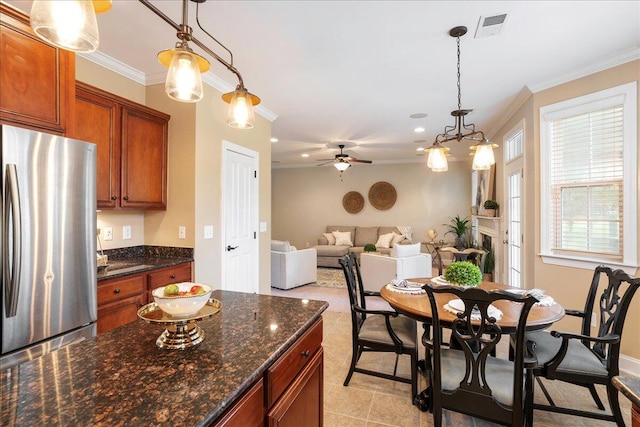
(370, 401)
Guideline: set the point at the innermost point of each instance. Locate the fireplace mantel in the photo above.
(488, 225)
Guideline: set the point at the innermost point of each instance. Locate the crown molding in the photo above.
(137, 76)
(504, 117)
(609, 62)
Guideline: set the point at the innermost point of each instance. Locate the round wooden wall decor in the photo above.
(353, 202)
(382, 195)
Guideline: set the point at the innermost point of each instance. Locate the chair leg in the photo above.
(614, 404)
(414, 374)
(546, 393)
(355, 356)
(596, 398)
(529, 388)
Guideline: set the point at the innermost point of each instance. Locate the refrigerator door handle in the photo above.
(12, 212)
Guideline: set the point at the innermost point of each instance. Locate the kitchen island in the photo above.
(260, 351)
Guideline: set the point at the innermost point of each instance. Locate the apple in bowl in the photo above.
(182, 300)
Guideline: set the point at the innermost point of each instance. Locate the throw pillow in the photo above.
(397, 238)
(401, 251)
(384, 241)
(280, 246)
(330, 238)
(343, 238)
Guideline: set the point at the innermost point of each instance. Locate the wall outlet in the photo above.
(182, 232)
(126, 232)
(108, 233)
(208, 231)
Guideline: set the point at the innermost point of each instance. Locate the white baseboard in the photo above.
(629, 366)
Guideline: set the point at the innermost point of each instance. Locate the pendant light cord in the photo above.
(459, 90)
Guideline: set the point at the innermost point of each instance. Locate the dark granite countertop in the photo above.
(630, 387)
(119, 268)
(121, 378)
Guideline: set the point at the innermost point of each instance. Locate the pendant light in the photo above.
(483, 151)
(342, 165)
(69, 24)
(184, 80)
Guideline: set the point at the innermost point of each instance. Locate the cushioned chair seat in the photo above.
(579, 359)
(374, 329)
(499, 375)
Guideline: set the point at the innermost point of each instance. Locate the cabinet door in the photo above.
(119, 300)
(37, 79)
(176, 274)
(301, 404)
(248, 411)
(98, 121)
(119, 313)
(144, 159)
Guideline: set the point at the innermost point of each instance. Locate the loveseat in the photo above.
(332, 247)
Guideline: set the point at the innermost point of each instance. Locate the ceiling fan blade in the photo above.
(359, 161)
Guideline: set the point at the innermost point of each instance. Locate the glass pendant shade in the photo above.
(184, 82)
(483, 156)
(240, 114)
(342, 166)
(437, 160)
(69, 24)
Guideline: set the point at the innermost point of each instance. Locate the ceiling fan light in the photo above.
(240, 114)
(184, 82)
(342, 165)
(69, 25)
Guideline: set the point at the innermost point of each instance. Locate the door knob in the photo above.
(230, 248)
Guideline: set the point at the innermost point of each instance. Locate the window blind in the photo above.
(586, 183)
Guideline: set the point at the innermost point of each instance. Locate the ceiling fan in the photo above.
(342, 161)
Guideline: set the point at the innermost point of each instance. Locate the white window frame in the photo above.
(627, 94)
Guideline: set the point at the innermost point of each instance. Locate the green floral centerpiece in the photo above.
(463, 273)
(370, 247)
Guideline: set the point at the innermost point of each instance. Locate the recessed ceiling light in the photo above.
(419, 129)
(418, 115)
(274, 139)
(305, 155)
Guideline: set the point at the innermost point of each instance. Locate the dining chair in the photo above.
(587, 359)
(469, 380)
(378, 330)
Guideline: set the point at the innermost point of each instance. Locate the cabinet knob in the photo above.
(116, 291)
(126, 197)
(305, 353)
(114, 197)
(173, 276)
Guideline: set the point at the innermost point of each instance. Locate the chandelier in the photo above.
(482, 152)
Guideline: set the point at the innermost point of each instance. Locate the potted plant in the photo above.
(489, 265)
(463, 273)
(490, 207)
(459, 227)
(370, 247)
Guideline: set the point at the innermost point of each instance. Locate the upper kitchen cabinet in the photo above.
(132, 142)
(37, 79)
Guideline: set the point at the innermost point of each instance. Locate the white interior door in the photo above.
(514, 173)
(240, 219)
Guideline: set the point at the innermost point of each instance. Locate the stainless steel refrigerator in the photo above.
(48, 234)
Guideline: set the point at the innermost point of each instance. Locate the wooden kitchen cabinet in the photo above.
(132, 142)
(248, 411)
(119, 300)
(166, 276)
(37, 79)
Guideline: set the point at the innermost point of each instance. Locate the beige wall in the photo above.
(567, 285)
(306, 200)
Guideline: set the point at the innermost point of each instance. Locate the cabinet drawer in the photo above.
(117, 289)
(282, 372)
(166, 276)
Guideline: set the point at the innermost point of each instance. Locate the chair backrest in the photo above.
(614, 303)
(478, 333)
(355, 289)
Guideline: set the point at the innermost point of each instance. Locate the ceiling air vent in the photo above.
(490, 25)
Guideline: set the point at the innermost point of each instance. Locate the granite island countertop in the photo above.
(121, 378)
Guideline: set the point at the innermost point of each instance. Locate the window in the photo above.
(589, 179)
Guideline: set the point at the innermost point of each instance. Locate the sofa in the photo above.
(330, 248)
(291, 267)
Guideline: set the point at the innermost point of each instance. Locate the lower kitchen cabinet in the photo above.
(119, 300)
(291, 394)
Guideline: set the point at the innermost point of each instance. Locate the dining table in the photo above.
(417, 307)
